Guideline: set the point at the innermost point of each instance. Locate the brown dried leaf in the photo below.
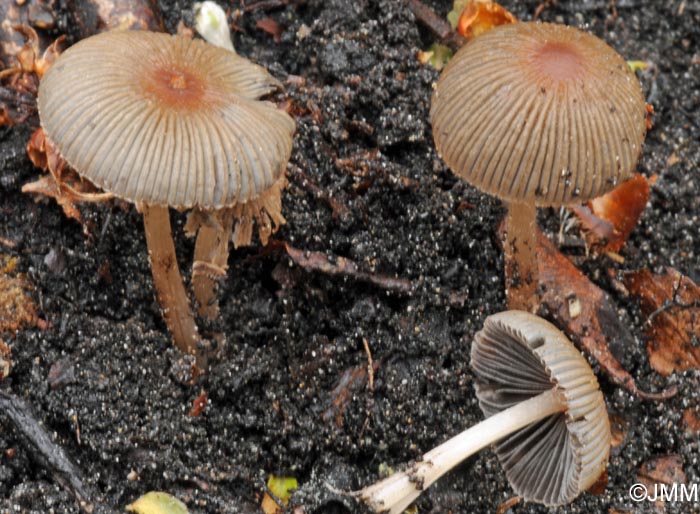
(666, 469)
(269, 506)
(593, 323)
(671, 302)
(691, 421)
(62, 183)
(611, 218)
(480, 16)
(271, 27)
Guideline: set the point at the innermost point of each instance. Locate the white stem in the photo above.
(395, 493)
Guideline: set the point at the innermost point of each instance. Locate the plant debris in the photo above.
(595, 324)
(665, 469)
(671, 302)
(611, 218)
(271, 27)
(199, 405)
(319, 261)
(62, 183)
(479, 16)
(17, 309)
(51, 455)
(157, 502)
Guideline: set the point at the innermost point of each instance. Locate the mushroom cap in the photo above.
(165, 119)
(517, 356)
(539, 113)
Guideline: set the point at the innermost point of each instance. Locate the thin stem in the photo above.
(210, 261)
(520, 245)
(395, 493)
(168, 283)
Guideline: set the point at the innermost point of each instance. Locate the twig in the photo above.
(436, 24)
(319, 261)
(370, 366)
(48, 453)
(263, 5)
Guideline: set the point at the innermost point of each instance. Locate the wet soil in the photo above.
(289, 394)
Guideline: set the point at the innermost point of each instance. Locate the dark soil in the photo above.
(294, 337)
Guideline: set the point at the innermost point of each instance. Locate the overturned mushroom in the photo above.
(545, 416)
(167, 121)
(538, 115)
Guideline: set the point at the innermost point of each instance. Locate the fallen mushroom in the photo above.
(537, 114)
(545, 416)
(167, 121)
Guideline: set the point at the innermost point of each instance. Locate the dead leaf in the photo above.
(269, 505)
(198, 405)
(271, 27)
(666, 469)
(671, 302)
(480, 16)
(62, 183)
(691, 421)
(611, 218)
(596, 325)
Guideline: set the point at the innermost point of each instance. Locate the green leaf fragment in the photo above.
(638, 65)
(282, 487)
(438, 55)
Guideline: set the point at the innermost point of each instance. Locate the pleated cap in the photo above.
(165, 120)
(538, 112)
(517, 356)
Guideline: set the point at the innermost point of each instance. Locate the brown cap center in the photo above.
(175, 87)
(559, 61)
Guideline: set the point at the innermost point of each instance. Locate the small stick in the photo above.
(436, 24)
(370, 364)
(51, 455)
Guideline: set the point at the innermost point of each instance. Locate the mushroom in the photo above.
(537, 114)
(167, 121)
(545, 416)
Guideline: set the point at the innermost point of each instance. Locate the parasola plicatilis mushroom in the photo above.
(545, 415)
(537, 114)
(168, 121)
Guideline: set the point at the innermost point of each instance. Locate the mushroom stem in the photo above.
(210, 261)
(395, 493)
(168, 282)
(520, 244)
